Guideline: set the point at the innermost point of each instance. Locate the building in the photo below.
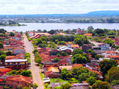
(16, 63)
(14, 81)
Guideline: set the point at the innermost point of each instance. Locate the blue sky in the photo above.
(56, 6)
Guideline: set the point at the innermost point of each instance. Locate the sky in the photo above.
(56, 6)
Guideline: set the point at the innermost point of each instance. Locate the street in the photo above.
(33, 67)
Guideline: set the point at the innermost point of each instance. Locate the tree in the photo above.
(2, 31)
(11, 34)
(56, 60)
(105, 65)
(99, 32)
(91, 80)
(26, 73)
(61, 43)
(2, 58)
(63, 53)
(66, 86)
(52, 45)
(77, 51)
(115, 82)
(80, 40)
(19, 87)
(52, 31)
(79, 58)
(90, 29)
(109, 41)
(1, 45)
(9, 53)
(26, 88)
(100, 85)
(66, 74)
(112, 74)
(35, 86)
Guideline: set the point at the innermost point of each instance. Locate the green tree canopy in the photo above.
(81, 39)
(91, 80)
(11, 34)
(79, 58)
(100, 85)
(112, 74)
(105, 65)
(77, 51)
(109, 41)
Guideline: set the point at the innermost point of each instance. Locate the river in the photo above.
(64, 26)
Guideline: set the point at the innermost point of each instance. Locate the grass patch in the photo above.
(54, 80)
(42, 76)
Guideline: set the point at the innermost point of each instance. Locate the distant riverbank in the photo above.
(64, 26)
(14, 25)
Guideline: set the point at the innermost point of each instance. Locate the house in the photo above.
(14, 81)
(18, 56)
(116, 41)
(60, 34)
(79, 86)
(31, 34)
(88, 34)
(62, 48)
(16, 63)
(4, 71)
(77, 65)
(69, 67)
(86, 47)
(52, 72)
(101, 46)
(38, 35)
(18, 51)
(115, 57)
(53, 85)
(73, 46)
(79, 31)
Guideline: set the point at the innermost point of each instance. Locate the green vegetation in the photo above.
(59, 80)
(11, 34)
(91, 80)
(28, 36)
(112, 74)
(35, 86)
(27, 56)
(46, 86)
(94, 54)
(81, 40)
(109, 41)
(51, 45)
(81, 74)
(101, 85)
(64, 86)
(37, 56)
(42, 75)
(26, 73)
(2, 57)
(77, 51)
(1, 46)
(61, 42)
(105, 65)
(80, 59)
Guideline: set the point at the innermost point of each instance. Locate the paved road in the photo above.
(34, 69)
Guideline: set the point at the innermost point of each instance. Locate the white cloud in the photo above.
(55, 6)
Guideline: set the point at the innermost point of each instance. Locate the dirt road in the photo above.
(34, 69)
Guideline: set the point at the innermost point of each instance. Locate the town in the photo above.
(59, 59)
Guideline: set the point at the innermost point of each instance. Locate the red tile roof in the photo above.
(88, 34)
(77, 65)
(5, 70)
(19, 78)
